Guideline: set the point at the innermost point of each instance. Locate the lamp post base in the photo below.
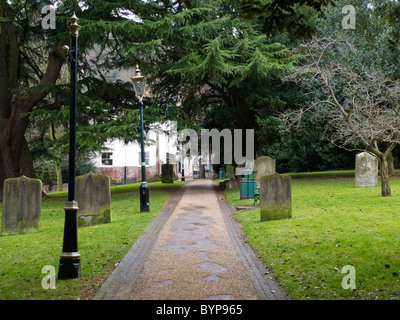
(69, 268)
(144, 197)
(70, 261)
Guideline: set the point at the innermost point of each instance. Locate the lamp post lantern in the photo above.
(139, 83)
(70, 264)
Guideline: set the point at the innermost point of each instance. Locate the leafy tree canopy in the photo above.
(283, 15)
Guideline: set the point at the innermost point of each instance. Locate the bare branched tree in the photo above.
(361, 107)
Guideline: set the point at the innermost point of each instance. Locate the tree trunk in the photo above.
(7, 168)
(385, 179)
(59, 176)
(390, 160)
(26, 161)
(15, 159)
(12, 139)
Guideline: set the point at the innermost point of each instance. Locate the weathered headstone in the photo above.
(366, 173)
(232, 183)
(242, 167)
(46, 188)
(65, 187)
(167, 173)
(94, 199)
(264, 166)
(230, 171)
(22, 200)
(275, 197)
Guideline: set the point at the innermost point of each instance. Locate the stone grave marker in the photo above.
(366, 173)
(167, 173)
(232, 183)
(230, 171)
(22, 200)
(264, 166)
(275, 197)
(93, 195)
(242, 167)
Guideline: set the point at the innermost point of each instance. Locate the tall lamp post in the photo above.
(183, 162)
(70, 264)
(139, 83)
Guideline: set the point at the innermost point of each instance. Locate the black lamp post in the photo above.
(139, 83)
(70, 264)
(183, 163)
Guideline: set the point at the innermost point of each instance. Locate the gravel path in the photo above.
(193, 250)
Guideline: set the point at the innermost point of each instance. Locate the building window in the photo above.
(147, 158)
(106, 159)
(170, 157)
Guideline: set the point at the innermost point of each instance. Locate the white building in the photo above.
(122, 162)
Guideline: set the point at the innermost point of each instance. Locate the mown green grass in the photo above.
(101, 247)
(333, 225)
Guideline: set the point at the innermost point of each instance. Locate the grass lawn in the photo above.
(101, 247)
(333, 224)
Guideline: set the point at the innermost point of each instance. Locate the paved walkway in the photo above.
(193, 250)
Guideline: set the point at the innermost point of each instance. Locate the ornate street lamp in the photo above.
(139, 83)
(70, 264)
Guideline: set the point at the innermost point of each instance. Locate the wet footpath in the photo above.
(193, 250)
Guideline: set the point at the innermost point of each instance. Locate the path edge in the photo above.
(266, 285)
(119, 284)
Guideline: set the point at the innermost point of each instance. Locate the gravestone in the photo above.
(94, 199)
(242, 167)
(46, 188)
(22, 200)
(366, 173)
(232, 183)
(167, 173)
(230, 171)
(275, 197)
(264, 166)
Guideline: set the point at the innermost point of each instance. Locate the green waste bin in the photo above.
(221, 173)
(248, 184)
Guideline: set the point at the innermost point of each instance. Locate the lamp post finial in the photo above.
(74, 27)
